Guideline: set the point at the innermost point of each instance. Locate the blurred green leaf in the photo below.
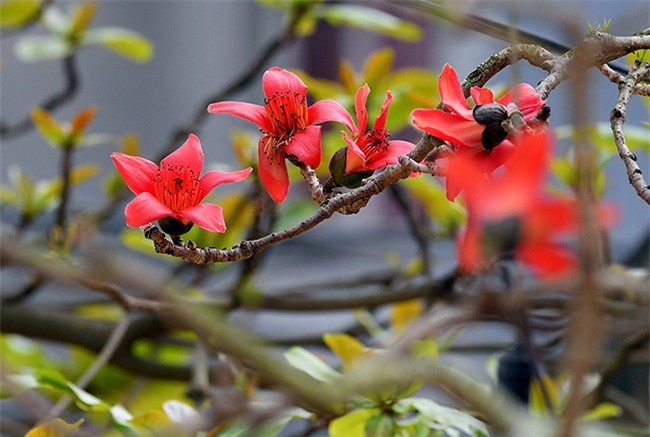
(15, 13)
(294, 212)
(51, 130)
(403, 313)
(81, 120)
(352, 424)
(82, 16)
(124, 42)
(54, 380)
(35, 48)
(56, 21)
(347, 348)
(441, 416)
(381, 425)
(370, 19)
(378, 66)
(313, 365)
(602, 411)
(55, 428)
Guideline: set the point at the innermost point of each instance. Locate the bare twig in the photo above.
(617, 118)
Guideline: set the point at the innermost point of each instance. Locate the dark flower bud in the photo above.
(490, 113)
(174, 227)
(501, 236)
(340, 177)
(493, 135)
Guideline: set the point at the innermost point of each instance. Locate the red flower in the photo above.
(475, 130)
(288, 124)
(372, 150)
(510, 213)
(174, 190)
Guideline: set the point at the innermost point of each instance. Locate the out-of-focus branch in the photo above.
(617, 118)
(71, 87)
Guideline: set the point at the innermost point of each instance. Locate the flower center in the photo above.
(178, 187)
(374, 143)
(288, 113)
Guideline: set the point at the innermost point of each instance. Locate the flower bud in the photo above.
(490, 113)
(340, 177)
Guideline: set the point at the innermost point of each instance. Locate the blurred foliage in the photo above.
(71, 31)
(344, 14)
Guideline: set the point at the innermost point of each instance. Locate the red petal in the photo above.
(380, 121)
(138, 173)
(469, 250)
(329, 110)
(144, 209)
(396, 148)
(212, 179)
(481, 96)
(547, 259)
(355, 159)
(306, 146)
(189, 155)
(277, 79)
(247, 111)
(452, 94)
(360, 102)
(206, 216)
(526, 99)
(448, 127)
(528, 164)
(273, 172)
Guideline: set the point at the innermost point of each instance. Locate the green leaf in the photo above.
(56, 21)
(347, 348)
(15, 13)
(81, 120)
(378, 66)
(55, 428)
(311, 364)
(380, 425)
(352, 424)
(51, 130)
(56, 381)
(81, 18)
(604, 410)
(24, 189)
(35, 48)
(370, 19)
(442, 416)
(404, 313)
(448, 215)
(124, 42)
(84, 172)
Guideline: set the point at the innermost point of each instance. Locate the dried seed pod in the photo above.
(490, 113)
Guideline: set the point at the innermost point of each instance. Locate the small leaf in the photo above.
(25, 189)
(378, 66)
(83, 173)
(15, 13)
(48, 127)
(347, 348)
(311, 364)
(55, 428)
(404, 313)
(81, 18)
(537, 400)
(370, 19)
(602, 411)
(352, 424)
(81, 120)
(56, 21)
(35, 48)
(124, 42)
(380, 425)
(55, 380)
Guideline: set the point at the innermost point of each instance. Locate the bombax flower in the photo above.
(478, 129)
(510, 213)
(371, 149)
(173, 192)
(288, 124)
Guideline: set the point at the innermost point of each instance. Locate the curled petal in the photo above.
(448, 127)
(360, 102)
(380, 121)
(306, 146)
(144, 209)
(330, 110)
(481, 96)
(452, 94)
(189, 155)
(277, 79)
(214, 178)
(355, 159)
(526, 99)
(273, 172)
(247, 111)
(138, 173)
(206, 215)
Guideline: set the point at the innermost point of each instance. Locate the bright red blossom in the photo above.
(457, 125)
(371, 150)
(511, 212)
(175, 189)
(288, 124)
